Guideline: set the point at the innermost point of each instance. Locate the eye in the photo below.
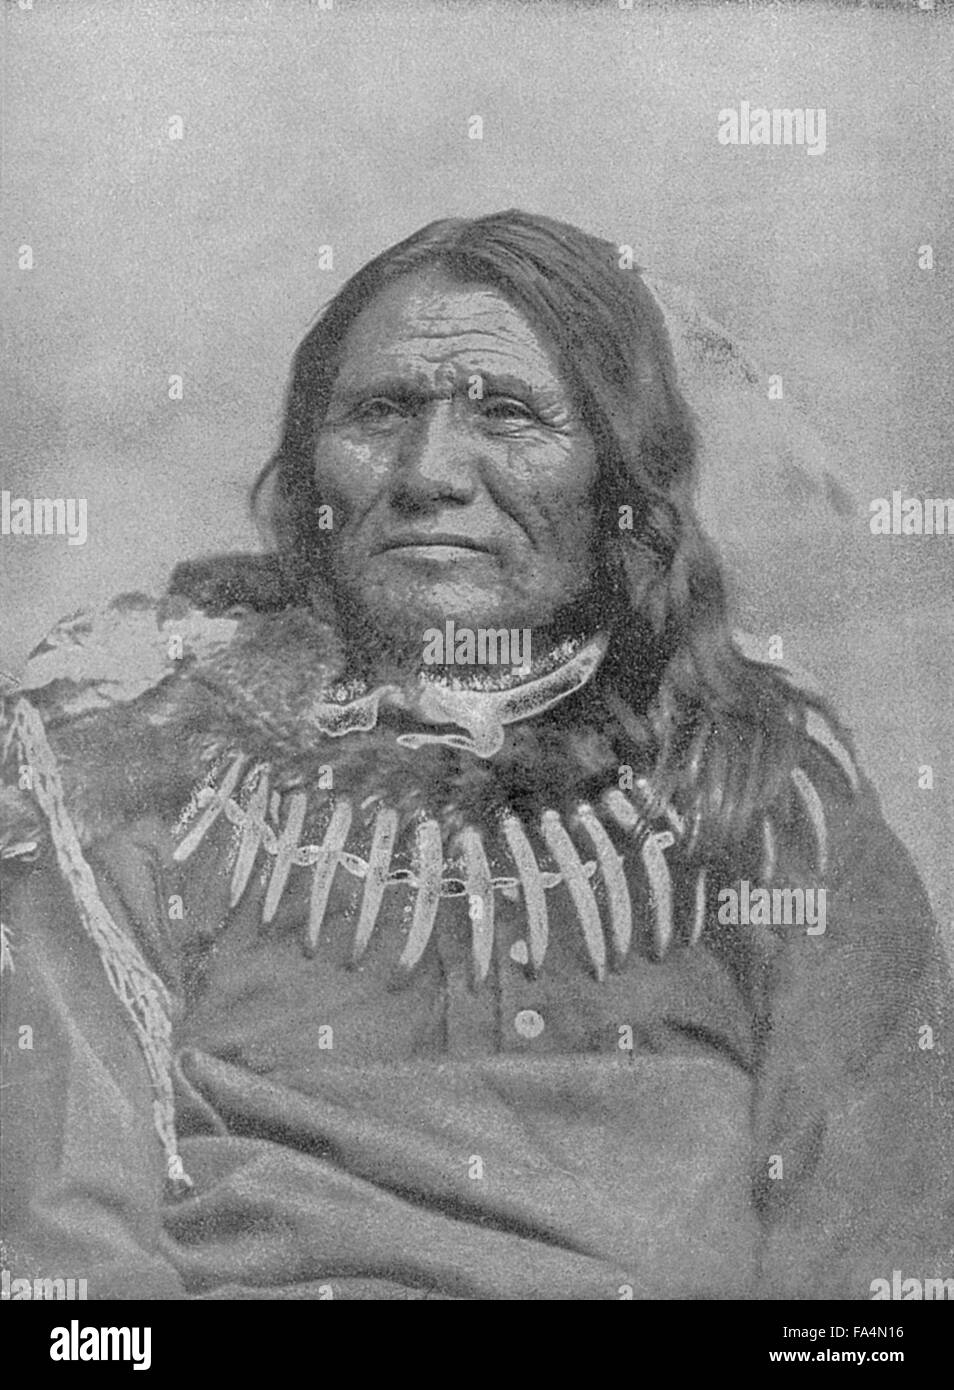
(377, 410)
(506, 408)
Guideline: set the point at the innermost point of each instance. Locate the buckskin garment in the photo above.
(314, 991)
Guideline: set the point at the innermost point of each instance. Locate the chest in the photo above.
(319, 928)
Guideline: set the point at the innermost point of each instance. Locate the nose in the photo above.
(439, 458)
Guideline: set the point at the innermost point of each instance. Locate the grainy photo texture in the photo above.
(477, 514)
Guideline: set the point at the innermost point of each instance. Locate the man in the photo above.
(383, 890)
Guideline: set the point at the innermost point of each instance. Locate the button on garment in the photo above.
(528, 1023)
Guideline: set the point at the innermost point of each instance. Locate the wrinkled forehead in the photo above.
(434, 330)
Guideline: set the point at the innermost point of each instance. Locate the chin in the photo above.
(409, 621)
(386, 609)
(387, 598)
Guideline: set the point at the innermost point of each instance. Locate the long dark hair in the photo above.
(724, 731)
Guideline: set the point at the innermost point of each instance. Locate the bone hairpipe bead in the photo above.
(534, 898)
(610, 863)
(564, 852)
(379, 864)
(217, 803)
(430, 868)
(324, 871)
(480, 893)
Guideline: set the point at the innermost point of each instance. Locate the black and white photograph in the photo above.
(477, 660)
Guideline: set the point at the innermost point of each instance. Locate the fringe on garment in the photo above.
(141, 993)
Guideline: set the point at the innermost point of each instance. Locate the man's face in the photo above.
(457, 465)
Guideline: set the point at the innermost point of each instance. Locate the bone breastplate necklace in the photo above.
(605, 853)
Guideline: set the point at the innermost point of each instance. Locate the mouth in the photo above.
(435, 542)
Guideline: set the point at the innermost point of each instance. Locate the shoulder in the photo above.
(828, 802)
(100, 658)
(131, 703)
(113, 655)
(826, 745)
(827, 828)
(218, 584)
(88, 711)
